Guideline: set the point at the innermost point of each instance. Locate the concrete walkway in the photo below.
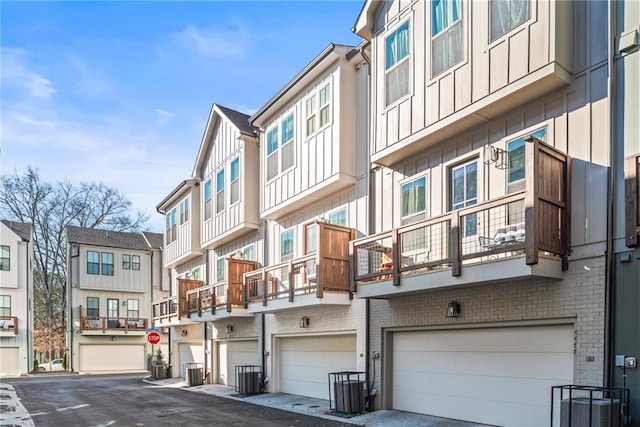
(317, 407)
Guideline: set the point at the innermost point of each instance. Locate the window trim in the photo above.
(413, 217)
(184, 210)
(221, 261)
(244, 252)
(463, 40)
(97, 300)
(104, 264)
(206, 191)
(117, 305)
(289, 255)
(289, 143)
(126, 261)
(232, 181)
(463, 163)
(130, 302)
(4, 308)
(337, 211)
(308, 226)
(277, 145)
(135, 266)
(5, 260)
(498, 39)
(398, 63)
(220, 192)
(97, 272)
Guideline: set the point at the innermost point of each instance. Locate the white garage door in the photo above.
(10, 361)
(305, 363)
(190, 353)
(232, 354)
(112, 358)
(500, 376)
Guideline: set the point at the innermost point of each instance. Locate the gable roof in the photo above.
(156, 240)
(22, 229)
(238, 119)
(111, 239)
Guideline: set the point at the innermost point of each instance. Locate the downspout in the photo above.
(206, 340)
(29, 336)
(609, 291)
(70, 310)
(265, 379)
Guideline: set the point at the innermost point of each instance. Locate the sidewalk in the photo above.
(316, 407)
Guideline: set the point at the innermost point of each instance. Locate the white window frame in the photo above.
(519, 184)
(251, 248)
(310, 107)
(398, 63)
(234, 186)
(494, 4)
(418, 215)
(221, 269)
(446, 35)
(133, 307)
(220, 193)
(289, 144)
(289, 255)
(332, 215)
(207, 199)
(466, 232)
(184, 210)
(273, 152)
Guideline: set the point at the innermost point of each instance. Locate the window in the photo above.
(207, 200)
(414, 200)
(93, 262)
(516, 150)
(135, 262)
(133, 309)
(286, 245)
(311, 238)
(235, 180)
(220, 263)
(397, 63)
(107, 264)
(220, 191)
(310, 109)
(464, 192)
(5, 259)
(325, 105)
(126, 262)
(338, 217)
(505, 15)
(249, 253)
(446, 31)
(272, 153)
(93, 307)
(184, 211)
(171, 232)
(113, 308)
(195, 274)
(287, 150)
(5, 305)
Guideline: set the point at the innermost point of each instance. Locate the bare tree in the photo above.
(51, 208)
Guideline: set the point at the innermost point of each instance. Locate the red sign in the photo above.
(153, 337)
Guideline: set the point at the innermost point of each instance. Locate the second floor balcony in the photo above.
(223, 299)
(515, 237)
(100, 325)
(8, 326)
(319, 278)
(172, 311)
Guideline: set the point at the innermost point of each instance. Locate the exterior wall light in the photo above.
(453, 309)
(229, 329)
(304, 322)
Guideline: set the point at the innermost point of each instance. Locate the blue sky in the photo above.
(119, 92)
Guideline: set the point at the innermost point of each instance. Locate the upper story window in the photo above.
(311, 238)
(249, 252)
(5, 305)
(505, 15)
(93, 262)
(5, 258)
(184, 210)
(414, 200)
(126, 262)
(318, 114)
(310, 114)
(171, 232)
(207, 199)
(464, 192)
(516, 152)
(338, 217)
(235, 180)
(220, 264)
(133, 308)
(446, 31)
(107, 264)
(135, 262)
(397, 63)
(220, 191)
(286, 245)
(195, 274)
(325, 105)
(280, 150)
(93, 307)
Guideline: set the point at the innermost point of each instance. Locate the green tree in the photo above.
(50, 208)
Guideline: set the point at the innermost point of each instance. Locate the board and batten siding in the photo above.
(187, 239)
(144, 301)
(122, 280)
(488, 68)
(324, 157)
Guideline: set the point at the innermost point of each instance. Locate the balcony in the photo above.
(173, 310)
(515, 237)
(223, 299)
(320, 278)
(8, 326)
(95, 325)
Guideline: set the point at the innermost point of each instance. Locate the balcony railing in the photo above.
(326, 270)
(526, 223)
(225, 296)
(174, 308)
(111, 324)
(8, 325)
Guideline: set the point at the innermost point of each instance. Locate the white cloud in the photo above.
(163, 116)
(17, 74)
(207, 42)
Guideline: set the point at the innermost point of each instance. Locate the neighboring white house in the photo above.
(16, 298)
(113, 278)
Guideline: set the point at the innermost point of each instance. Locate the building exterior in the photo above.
(113, 277)
(16, 298)
(489, 154)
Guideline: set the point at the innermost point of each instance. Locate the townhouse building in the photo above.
(113, 277)
(16, 298)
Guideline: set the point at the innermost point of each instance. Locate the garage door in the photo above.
(189, 353)
(305, 363)
(112, 358)
(10, 361)
(500, 376)
(232, 354)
